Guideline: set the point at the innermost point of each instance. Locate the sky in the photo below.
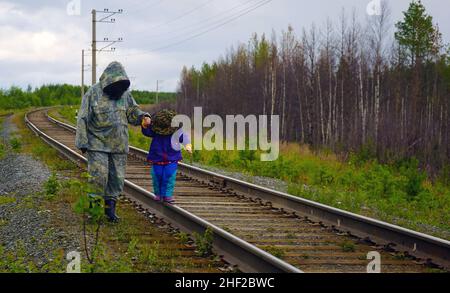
(41, 41)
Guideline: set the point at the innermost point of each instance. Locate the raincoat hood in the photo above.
(112, 74)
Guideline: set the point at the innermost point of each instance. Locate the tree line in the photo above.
(63, 94)
(46, 95)
(347, 86)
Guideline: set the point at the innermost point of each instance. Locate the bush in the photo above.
(216, 159)
(52, 186)
(204, 243)
(444, 176)
(2, 150)
(15, 143)
(366, 153)
(324, 176)
(348, 246)
(247, 155)
(196, 156)
(414, 177)
(379, 181)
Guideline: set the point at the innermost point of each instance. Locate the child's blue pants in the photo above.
(164, 177)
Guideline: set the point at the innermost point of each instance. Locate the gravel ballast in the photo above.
(25, 223)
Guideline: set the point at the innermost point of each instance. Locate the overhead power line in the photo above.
(215, 27)
(217, 18)
(145, 7)
(181, 16)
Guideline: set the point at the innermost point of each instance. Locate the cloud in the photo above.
(27, 46)
(40, 43)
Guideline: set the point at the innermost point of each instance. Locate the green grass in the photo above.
(2, 145)
(6, 199)
(2, 150)
(348, 246)
(69, 113)
(15, 262)
(275, 251)
(204, 242)
(398, 193)
(15, 144)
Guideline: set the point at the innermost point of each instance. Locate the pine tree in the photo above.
(417, 34)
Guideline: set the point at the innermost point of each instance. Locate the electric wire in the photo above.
(212, 28)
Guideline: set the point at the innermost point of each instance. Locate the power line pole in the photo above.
(198, 88)
(157, 90)
(82, 74)
(94, 47)
(84, 68)
(106, 19)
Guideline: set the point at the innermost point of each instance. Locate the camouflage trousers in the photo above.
(107, 172)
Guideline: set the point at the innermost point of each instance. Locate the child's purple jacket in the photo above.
(161, 150)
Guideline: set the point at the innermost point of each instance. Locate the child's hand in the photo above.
(146, 122)
(189, 148)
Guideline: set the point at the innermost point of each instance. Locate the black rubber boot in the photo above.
(114, 202)
(110, 211)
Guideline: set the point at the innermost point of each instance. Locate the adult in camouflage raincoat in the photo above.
(102, 132)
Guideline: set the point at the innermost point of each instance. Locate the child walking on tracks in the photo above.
(165, 152)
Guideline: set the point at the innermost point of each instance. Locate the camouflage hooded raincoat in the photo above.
(102, 121)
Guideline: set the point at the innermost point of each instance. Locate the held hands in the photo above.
(146, 122)
(188, 148)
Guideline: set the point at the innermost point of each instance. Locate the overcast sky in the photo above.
(41, 43)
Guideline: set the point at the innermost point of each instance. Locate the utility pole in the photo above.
(106, 19)
(94, 46)
(83, 70)
(198, 88)
(82, 74)
(157, 90)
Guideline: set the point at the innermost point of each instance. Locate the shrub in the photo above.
(275, 251)
(15, 143)
(52, 186)
(379, 181)
(204, 243)
(444, 176)
(348, 246)
(414, 178)
(2, 150)
(216, 158)
(184, 238)
(324, 177)
(196, 156)
(366, 153)
(247, 155)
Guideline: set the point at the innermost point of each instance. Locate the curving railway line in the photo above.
(261, 230)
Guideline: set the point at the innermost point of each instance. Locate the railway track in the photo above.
(261, 230)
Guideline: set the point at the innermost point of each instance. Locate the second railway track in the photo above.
(262, 230)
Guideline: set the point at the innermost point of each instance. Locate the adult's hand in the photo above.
(146, 122)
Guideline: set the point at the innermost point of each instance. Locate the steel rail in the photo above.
(247, 257)
(417, 244)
